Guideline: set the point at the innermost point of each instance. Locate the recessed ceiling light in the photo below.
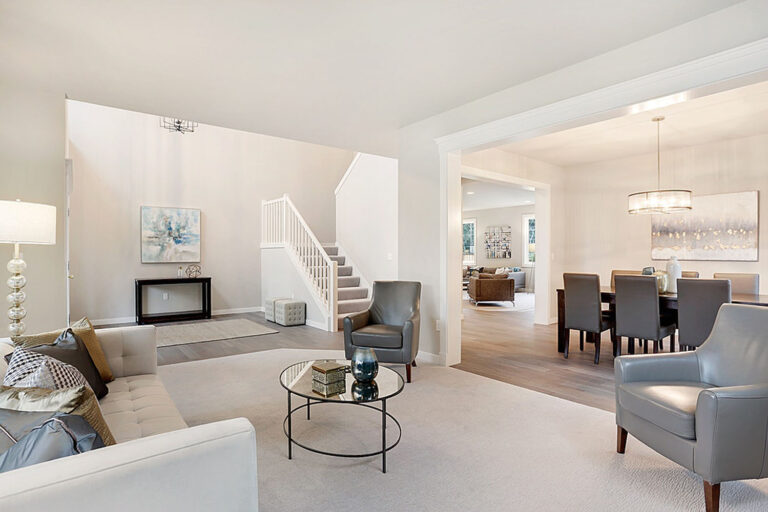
(470, 193)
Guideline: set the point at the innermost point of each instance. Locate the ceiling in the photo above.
(731, 114)
(335, 72)
(481, 195)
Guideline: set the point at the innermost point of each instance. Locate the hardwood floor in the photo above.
(507, 346)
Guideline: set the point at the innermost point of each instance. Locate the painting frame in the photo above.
(178, 241)
(720, 227)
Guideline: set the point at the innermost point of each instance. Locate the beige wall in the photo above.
(511, 216)
(601, 235)
(32, 169)
(123, 160)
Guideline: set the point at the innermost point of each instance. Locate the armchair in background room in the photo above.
(390, 326)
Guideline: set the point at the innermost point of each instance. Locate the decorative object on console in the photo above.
(662, 279)
(648, 271)
(675, 272)
(328, 372)
(23, 223)
(722, 227)
(179, 272)
(193, 271)
(364, 364)
(659, 201)
(174, 125)
(170, 235)
(497, 242)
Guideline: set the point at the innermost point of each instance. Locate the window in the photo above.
(529, 240)
(469, 242)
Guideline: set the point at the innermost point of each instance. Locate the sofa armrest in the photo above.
(130, 350)
(731, 429)
(681, 366)
(209, 467)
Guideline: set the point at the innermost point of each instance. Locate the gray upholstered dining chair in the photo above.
(638, 315)
(698, 301)
(747, 284)
(705, 410)
(583, 311)
(615, 273)
(390, 326)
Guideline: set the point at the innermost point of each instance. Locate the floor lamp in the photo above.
(23, 223)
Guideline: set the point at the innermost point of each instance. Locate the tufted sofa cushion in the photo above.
(139, 406)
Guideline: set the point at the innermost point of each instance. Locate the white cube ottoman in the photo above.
(290, 312)
(269, 308)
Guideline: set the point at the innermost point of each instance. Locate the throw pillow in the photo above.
(82, 328)
(58, 436)
(28, 369)
(500, 270)
(80, 401)
(85, 330)
(70, 349)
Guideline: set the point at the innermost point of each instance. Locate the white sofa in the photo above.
(158, 463)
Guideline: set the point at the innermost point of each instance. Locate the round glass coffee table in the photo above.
(297, 380)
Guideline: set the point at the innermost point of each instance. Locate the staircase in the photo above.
(326, 272)
(352, 298)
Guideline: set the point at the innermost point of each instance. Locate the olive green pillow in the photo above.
(80, 401)
(84, 330)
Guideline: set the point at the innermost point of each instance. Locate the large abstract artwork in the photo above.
(720, 227)
(170, 235)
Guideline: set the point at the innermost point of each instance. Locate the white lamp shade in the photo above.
(27, 223)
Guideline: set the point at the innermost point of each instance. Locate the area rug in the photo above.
(524, 301)
(210, 330)
(469, 443)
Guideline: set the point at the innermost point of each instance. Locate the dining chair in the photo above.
(690, 274)
(615, 273)
(638, 315)
(746, 284)
(583, 311)
(698, 301)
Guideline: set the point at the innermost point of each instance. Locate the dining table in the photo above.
(667, 302)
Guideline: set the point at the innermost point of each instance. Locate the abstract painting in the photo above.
(170, 235)
(720, 227)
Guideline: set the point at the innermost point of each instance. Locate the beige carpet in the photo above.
(469, 444)
(209, 330)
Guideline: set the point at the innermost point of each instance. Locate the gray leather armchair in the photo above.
(706, 410)
(390, 326)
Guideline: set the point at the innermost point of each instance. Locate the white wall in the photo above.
(601, 235)
(32, 169)
(123, 160)
(419, 186)
(366, 216)
(511, 216)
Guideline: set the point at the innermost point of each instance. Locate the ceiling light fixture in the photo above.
(177, 125)
(659, 201)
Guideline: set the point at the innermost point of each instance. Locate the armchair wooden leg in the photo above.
(414, 363)
(621, 440)
(408, 373)
(711, 497)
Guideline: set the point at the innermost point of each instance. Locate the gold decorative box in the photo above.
(326, 390)
(328, 372)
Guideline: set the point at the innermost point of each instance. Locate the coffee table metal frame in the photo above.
(287, 423)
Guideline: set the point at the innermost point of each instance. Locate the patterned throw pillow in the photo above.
(28, 369)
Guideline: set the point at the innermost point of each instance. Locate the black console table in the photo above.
(205, 312)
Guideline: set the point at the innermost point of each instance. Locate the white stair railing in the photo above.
(283, 226)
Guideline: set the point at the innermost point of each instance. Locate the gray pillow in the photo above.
(58, 436)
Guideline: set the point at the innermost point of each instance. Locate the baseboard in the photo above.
(317, 325)
(429, 358)
(232, 311)
(99, 322)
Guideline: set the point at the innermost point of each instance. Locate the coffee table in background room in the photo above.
(297, 380)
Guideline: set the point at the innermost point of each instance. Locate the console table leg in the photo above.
(290, 452)
(384, 436)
